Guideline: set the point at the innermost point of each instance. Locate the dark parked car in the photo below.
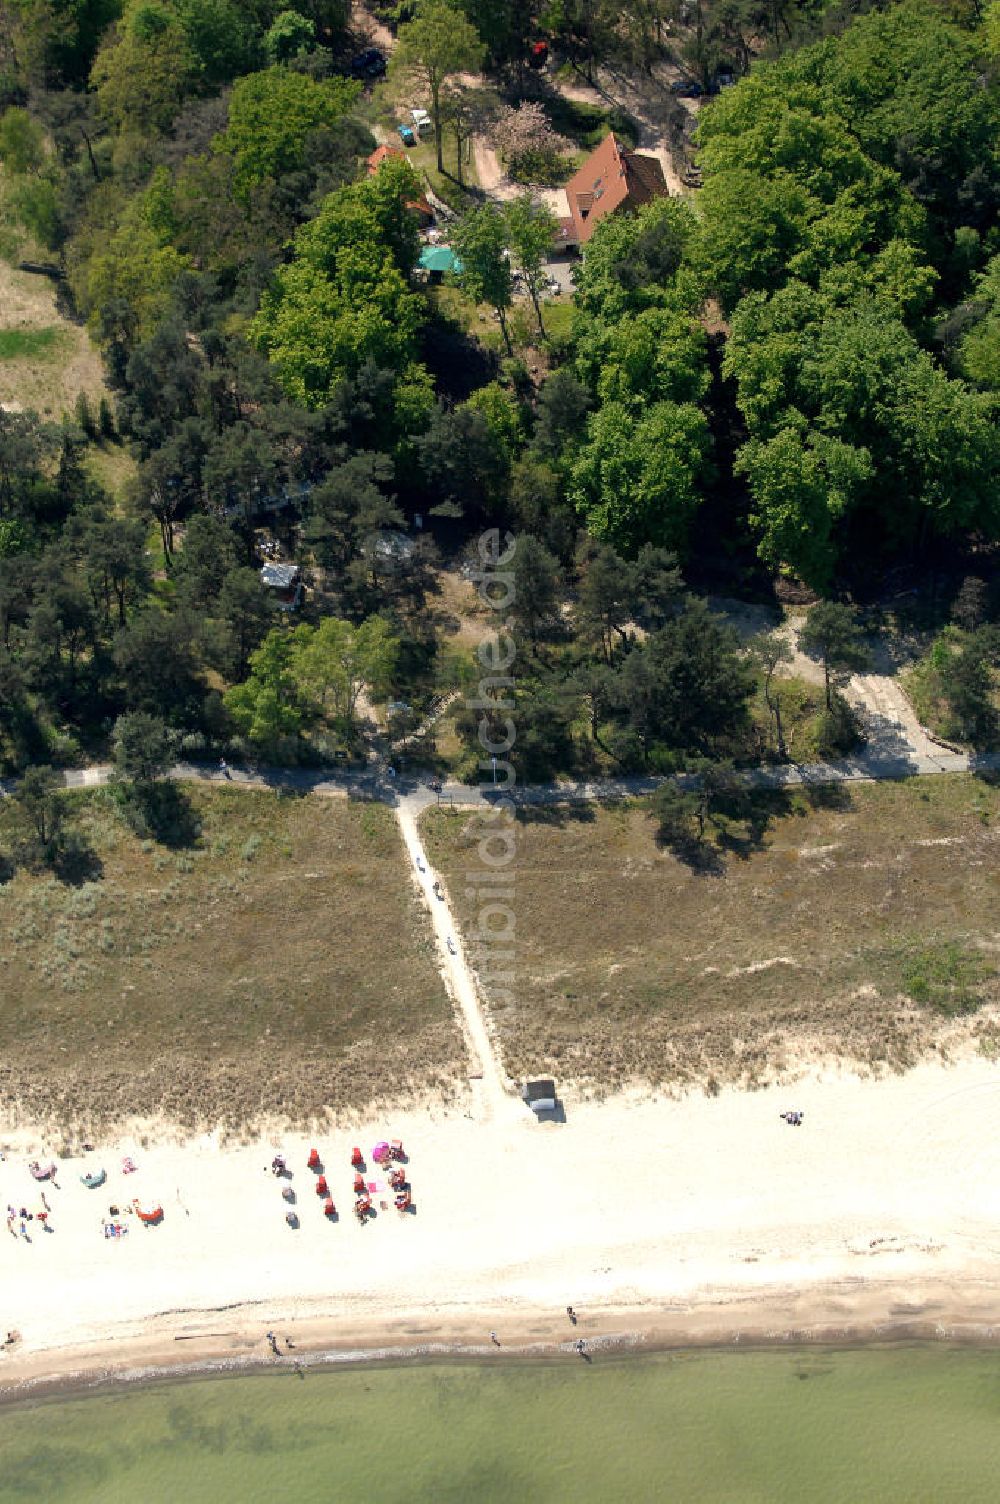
(686, 88)
(369, 64)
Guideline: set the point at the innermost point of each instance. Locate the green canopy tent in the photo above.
(438, 259)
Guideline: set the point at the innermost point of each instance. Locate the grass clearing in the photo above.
(266, 956)
(50, 359)
(113, 467)
(31, 344)
(864, 917)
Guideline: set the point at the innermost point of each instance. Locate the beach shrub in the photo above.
(947, 977)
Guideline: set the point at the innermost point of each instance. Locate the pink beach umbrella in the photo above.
(380, 1152)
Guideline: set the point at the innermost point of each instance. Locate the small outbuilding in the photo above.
(284, 581)
(540, 1095)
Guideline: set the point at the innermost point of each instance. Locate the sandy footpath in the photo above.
(683, 1219)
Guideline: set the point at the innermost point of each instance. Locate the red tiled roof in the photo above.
(611, 178)
(379, 155)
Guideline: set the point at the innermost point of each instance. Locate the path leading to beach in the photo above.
(489, 1090)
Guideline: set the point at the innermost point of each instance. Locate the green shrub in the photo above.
(946, 977)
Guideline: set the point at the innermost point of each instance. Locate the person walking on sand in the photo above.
(571, 1314)
(580, 1346)
(274, 1344)
(494, 1339)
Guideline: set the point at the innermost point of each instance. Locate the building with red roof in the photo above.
(612, 178)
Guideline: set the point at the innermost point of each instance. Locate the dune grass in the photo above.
(265, 955)
(856, 925)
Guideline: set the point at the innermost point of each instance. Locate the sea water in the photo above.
(910, 1424)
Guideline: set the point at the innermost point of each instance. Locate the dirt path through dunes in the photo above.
(489, 1090)
(489, 170)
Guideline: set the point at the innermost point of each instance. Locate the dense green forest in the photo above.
(793, 375)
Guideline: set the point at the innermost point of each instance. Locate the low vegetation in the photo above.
(45, 360)
(255, 954)
(833, 922)
(955, 687)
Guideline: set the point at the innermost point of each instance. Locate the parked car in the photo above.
(369, 64)
(406, 135)
(422, 122)
(686, 88)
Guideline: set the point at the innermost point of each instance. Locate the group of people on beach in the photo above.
(22, 1216)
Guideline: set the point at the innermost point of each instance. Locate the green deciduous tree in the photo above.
(145, 69)
(832, 633)
(333, 662)
(344, 302)
(222, 37)
(802, 485)
(271, 116)
(289, 34)
(142, 751)
(633, 261)
(531, 230)
(770, 652)
(636, 479)
(438, 43)
(480, 241)
(39, 802)
(22, 141)
(267, 707)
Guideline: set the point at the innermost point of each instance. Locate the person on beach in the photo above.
(494, 1339)
(274, 1344)
(580, 1346)
(571, 1314)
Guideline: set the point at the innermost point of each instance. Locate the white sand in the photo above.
(642, 1208)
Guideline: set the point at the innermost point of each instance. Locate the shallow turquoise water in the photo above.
(909, 1424)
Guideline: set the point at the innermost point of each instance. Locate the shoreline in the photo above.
(667, 1222)
(150, 1360)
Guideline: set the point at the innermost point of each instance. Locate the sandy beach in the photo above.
(660, 1220)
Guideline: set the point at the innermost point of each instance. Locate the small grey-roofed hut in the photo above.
(540, 1095)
